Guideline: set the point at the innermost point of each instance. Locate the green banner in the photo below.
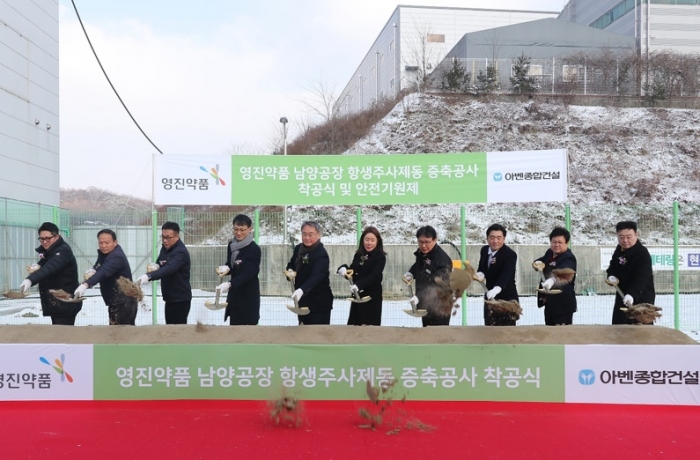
(329, 372)
(358, 179)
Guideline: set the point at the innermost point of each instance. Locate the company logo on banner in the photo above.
(633, 374)
(661, 258)
(527, 176)
(46, 372)
(496, 177)
(193, 179)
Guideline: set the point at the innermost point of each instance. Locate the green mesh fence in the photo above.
(206, 235)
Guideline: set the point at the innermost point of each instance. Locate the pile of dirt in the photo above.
(337, 335)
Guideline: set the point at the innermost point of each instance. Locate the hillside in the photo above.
(623, 164)
(616, 156)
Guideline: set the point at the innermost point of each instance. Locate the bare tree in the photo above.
(423, 55)
(321, 98)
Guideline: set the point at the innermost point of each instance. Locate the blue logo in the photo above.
(497, 177)
(586, 377)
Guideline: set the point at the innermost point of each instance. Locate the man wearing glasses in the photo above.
(432, 263)
(243, 264)
(311, 263)
(58, 270)
(174, 273)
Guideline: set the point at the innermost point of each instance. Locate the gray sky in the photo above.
(213, 76)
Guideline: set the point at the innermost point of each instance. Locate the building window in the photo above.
(436, 38)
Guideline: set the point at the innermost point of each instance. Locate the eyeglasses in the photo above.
(240, 229)
(43, 239)
(425, 242)
(308, 235)
(167, 238)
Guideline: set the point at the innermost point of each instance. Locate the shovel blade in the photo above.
(415, 313)
(360, 299)
(301, 311)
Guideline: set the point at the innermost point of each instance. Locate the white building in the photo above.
(415, 37)
(657, 25)
(29, 127)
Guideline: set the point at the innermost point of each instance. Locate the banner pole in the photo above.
(154, 284)
(358, 223)
(676, 270)
(256, 230)
(463, 236)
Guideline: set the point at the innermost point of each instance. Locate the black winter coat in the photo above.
(426, 268)
(109, 267)
(59, 270)
(566, 301)
(633, 268)
(244, 295)
(501, 272)
(368, 268)
(313, 277)
(174, 273)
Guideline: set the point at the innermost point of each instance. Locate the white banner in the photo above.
(632, 374)
(661, 258)
(192, 179)
(45, 372)
(527, 176)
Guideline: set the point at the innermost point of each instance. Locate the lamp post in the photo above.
(284, 122)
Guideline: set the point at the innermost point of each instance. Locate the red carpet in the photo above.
(331, 430)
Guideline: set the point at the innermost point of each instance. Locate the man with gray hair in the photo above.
(310, 266)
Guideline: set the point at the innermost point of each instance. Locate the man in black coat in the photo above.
(630, 266)
(110, 265)
(58, 269)
(312, 283)
(497, 266)
(431, 263)
(174, 273)
(243, 264)
(558, 308)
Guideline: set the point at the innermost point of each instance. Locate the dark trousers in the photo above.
(177, 312)
(123, 313)
(558, 318)
(435, 320)
(321, 317)
(64, 320)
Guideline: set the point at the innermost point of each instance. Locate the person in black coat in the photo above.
(58, 269)
(174, 273)
(243, 264)
(497, 265)
(368, 267)
(431, 263)
(558, 308)
(312, 283)
(631, 267)
(111, 264)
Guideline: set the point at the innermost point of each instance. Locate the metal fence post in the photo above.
(154, 284)
(676, 270)
(567, 217)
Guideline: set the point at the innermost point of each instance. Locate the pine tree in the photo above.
(521, 80)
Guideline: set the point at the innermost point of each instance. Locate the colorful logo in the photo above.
(214, 173)
(58, 367)
(497, 177)
(586, 377)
